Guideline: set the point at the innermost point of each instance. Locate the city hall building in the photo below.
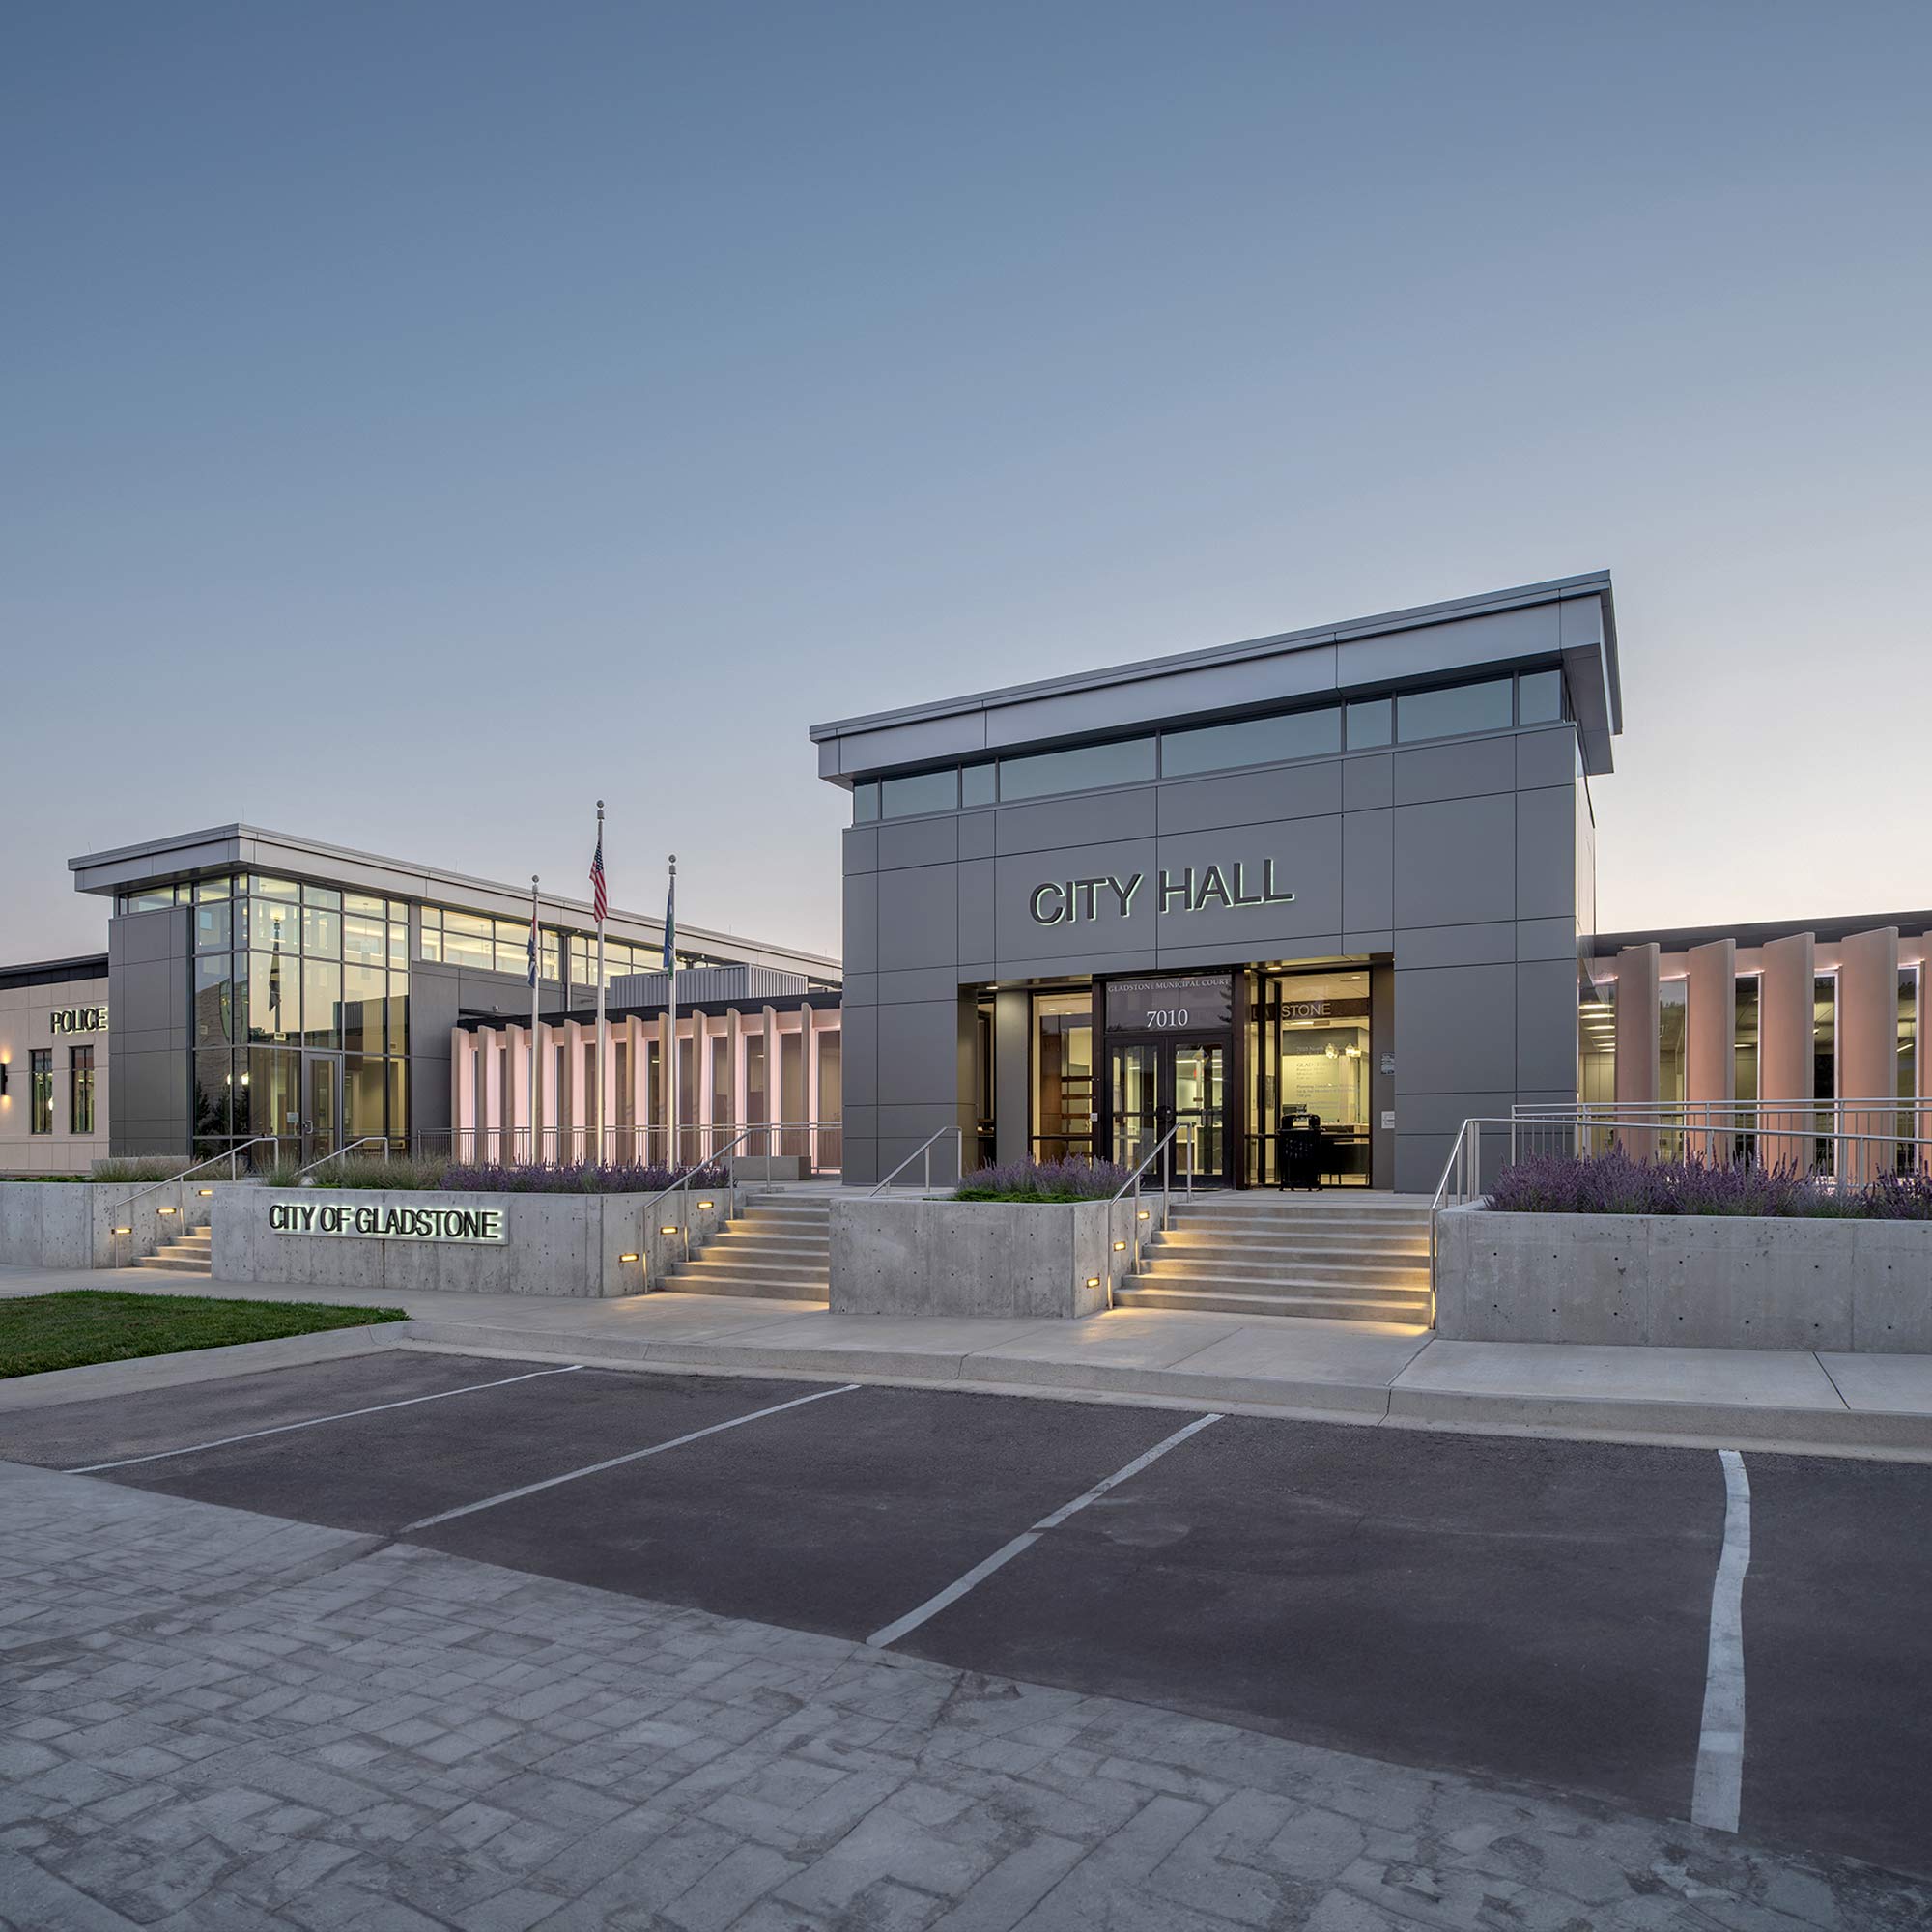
(1346, 873)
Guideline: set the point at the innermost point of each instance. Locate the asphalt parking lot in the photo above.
(1530, 1610)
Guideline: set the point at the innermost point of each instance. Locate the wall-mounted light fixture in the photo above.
(667, 1231)
(706, 1203)
(1142, 1215)
(206, 1193)
(1120, 1247)
(627, 1258)
(124, 1231)
(167, 1210)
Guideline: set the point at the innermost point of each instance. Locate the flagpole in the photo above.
(670, 967)
(536, 1025)
(603, 1024)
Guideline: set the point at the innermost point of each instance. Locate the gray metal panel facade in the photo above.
(1455, 862)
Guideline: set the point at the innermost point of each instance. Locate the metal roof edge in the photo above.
(1596, 583)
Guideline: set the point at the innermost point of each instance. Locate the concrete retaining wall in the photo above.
(566, 1244)
(917, 1257)
(70, 1224)
(1686, 1281)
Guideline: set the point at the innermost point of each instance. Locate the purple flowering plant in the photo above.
(580, 1178)
(1615, 1183)
(1067, 1180)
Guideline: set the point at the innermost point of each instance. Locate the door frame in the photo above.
(1163, 1047)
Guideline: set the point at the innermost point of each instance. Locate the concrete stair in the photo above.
(1348, 1255)
(779, 1249)
(192, 1254)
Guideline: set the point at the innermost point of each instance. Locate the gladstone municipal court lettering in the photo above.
(371, 1219)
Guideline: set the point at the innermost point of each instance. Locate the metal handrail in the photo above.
(361, 1140)
(643, 1136)
(175, 1179)
(1467, 1147)
(925, 1148)
(1134, 1183)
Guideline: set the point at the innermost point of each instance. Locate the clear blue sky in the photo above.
(422, 418)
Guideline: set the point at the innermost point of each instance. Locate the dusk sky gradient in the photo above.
(422, 419)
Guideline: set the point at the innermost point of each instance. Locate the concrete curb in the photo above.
(1901, 1435)
(96, 1380)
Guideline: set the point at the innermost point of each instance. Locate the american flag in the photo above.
(600, 900)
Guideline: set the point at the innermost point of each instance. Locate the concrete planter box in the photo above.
(1688, 1281)
(1009, 1258)
(566, 1244)
(70, 1224)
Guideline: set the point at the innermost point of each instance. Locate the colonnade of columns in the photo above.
(1865, 1118)
(494, 1116)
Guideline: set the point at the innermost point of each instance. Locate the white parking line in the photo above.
(1005, 1554)
(1720, 1747)
(346, 1414)
(617, 1462)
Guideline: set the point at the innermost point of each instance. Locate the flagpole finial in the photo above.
(599, 804)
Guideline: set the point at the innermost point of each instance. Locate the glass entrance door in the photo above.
(321, 1109)
(1179, 1085)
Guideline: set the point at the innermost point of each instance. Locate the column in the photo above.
(1868, 1051)
(606, 1149)
(520, 1139)
(808, 1048)
(1013, 1074)
(701, 1079)
(1923, 1051)
(734, 1034)
(666, 1143)
(1786, 1025)
(1636, 1046)
(774, 1144)
(1710, 1048)
(462, 1094)
(489, 1042)
(637, 1037)
(573, 1103)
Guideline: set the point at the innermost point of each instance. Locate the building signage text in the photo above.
(78, 1019)
(1062, 901)
(1174, 1003)
(388, 1223)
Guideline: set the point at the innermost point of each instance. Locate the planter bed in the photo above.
(1685, 1279)
(996, 1257)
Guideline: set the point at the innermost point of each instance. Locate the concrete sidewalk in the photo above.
(1357, 1372)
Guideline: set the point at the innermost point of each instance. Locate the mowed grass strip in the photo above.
(78, 1326)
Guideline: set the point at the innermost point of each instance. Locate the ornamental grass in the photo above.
(1069, 1179)
(1615, 1183)
(581, 1178)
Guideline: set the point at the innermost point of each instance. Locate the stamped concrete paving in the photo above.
(217, 1719)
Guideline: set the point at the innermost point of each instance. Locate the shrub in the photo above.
(1618, 1183)
(1068, 1179)
(585, 1177)
(143, 1167)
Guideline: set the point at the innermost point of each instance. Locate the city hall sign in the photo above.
(1062, 901)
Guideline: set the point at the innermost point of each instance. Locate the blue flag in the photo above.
(671, 927)
(533, 954)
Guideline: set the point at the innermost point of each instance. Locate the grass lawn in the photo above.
(89, 1324)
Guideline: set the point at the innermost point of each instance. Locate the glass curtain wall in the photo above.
(1671, 1084)
(285, 971)
(1744, 1066)
(1597, 1051)
(1308, 1051)
(1910, 1122)
(1063, 1074)
(1825, 1062)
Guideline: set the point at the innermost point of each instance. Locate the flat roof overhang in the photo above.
(1571, 620)
(230, 848)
